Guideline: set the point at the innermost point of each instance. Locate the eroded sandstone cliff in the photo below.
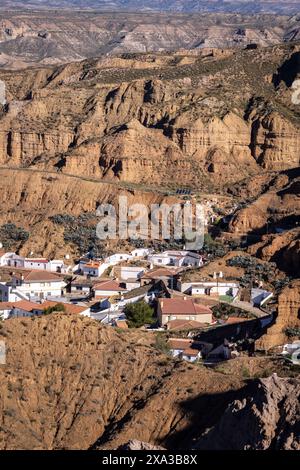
(288, 317)
(205, 119)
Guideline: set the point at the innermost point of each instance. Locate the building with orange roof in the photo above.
(25, 308)
(183, 309)
(108, 288)
(92, 268)
(168, 275)
(21, 308)
(179, 325)
(185, 348)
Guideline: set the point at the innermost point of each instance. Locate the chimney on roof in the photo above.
(184, 297)
(162, 303)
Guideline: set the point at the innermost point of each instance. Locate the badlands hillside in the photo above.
(98, 105)
(31, 38)
(237, 6)
(72, 383)
(221, 122)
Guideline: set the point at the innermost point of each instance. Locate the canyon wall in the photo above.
(288, 317)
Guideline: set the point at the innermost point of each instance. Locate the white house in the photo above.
(15, 261)
(117, 258)
(21, 308)
(92, 268)
(108, 289)
(176, 258)
(11, 259)
(185, 349)
(57, 266)
(130, 276)
(131, 272)
(140, 252)
(31, 285)
(81, 287)
(209, 288)
(183, 309)
(36, 263)
(25, 308)
(5, 309)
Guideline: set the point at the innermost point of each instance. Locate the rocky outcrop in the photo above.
(21, 148)
(134, 444)
(275, 143)
(283, 249)
(288, 317)
(266, 418)
(276, 208)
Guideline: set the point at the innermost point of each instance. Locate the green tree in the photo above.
(55, 308)
(138, 314)
(212, 246)
(161, 343)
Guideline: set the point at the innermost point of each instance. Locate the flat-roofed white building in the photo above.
(209, 288)
(176, 258)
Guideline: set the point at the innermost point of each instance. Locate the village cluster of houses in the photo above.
(101, 289)
(96, 268)
(14, 260)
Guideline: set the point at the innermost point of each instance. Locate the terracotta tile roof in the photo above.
(6, 305)
(26, 305)
(191, 352)
(69, 308)
(188, 346)
(159, 272)
(180, 343)
(199, 308)
(181, 306)
(22, 304)
(92, 264)
(113, 286)
(184, 325)
(39, 276)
